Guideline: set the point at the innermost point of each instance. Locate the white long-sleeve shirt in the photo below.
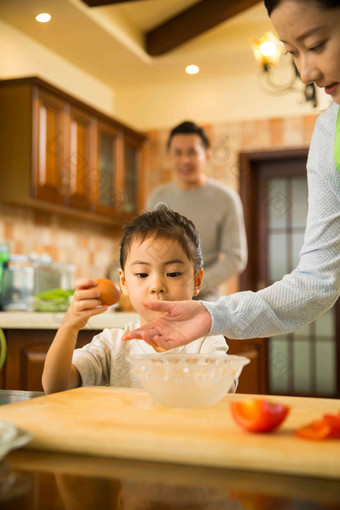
(217, 212)
(314, 286)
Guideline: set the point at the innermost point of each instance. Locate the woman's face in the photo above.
(312, 36)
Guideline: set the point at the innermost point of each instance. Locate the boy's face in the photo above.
(188, 158)
(158, 269)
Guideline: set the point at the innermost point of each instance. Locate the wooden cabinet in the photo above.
(109, 189)
(59, 154)
(26, 351)
(132, 176)
(254, 375)
(48, 132)
(79, 163)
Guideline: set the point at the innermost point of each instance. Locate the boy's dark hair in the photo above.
(322, 4)
(189, 128)
(164, 223)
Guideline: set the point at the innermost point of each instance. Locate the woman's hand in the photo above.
(182, 322)
(86, 303)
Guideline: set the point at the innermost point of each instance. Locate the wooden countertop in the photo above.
(128, 424)
(40, 320)
(81, 481)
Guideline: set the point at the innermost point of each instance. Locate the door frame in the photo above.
(247, 184)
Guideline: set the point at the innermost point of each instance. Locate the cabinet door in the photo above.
(26, 352)
(253, 377)
(80, 158)
(109, 191)
(132, 176)
(49, 146)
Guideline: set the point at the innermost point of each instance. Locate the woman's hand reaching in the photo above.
(181, 323)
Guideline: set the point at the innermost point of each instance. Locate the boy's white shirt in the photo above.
(103, 362)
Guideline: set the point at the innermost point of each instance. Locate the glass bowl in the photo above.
(187, 380)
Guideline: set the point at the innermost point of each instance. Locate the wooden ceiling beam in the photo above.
(192, 22)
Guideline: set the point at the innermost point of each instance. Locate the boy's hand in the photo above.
(86, 303)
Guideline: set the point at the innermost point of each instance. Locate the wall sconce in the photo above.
(268, 51)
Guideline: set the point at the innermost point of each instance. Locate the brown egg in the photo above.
(109, 291)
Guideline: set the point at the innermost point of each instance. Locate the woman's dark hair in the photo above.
(164, 223)
(322, 4)
(189, 128)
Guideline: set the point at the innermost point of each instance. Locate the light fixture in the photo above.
(192, 69)
(43, 17)
(268, 51)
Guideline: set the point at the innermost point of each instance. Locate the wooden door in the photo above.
(49, 146)
(274, 194)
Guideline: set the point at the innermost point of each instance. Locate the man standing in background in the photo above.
(214, 208)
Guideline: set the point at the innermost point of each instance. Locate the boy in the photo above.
(160, 258)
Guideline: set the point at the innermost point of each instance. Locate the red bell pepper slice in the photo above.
(258, 415)
(327, 427)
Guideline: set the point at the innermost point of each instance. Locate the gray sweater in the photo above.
(216, 210)
(314, 286)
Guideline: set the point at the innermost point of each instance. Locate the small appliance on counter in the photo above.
(26, 277)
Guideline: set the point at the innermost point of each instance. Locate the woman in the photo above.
(310, 31)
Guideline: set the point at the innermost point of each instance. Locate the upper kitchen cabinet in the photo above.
(57, 153)
(132, 176)
(110, 166)
(48, 130)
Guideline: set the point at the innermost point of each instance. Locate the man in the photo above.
(214, 208)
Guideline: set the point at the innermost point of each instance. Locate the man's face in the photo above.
(188, 158)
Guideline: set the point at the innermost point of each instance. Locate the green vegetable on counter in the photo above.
(54, 300)
(55, 294)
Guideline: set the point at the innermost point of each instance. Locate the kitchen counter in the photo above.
(35, 480)
(40, 320)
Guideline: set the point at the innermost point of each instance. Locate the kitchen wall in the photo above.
(235, 97)
(92, 248)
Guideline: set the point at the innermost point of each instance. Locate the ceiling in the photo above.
(111, 42)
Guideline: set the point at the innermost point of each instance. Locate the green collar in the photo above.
(337, 142)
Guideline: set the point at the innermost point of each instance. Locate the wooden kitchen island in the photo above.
(37, 479)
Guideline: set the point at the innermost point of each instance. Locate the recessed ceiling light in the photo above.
(192, 69)
(43, 17)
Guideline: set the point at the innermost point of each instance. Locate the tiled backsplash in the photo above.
(91, 247)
